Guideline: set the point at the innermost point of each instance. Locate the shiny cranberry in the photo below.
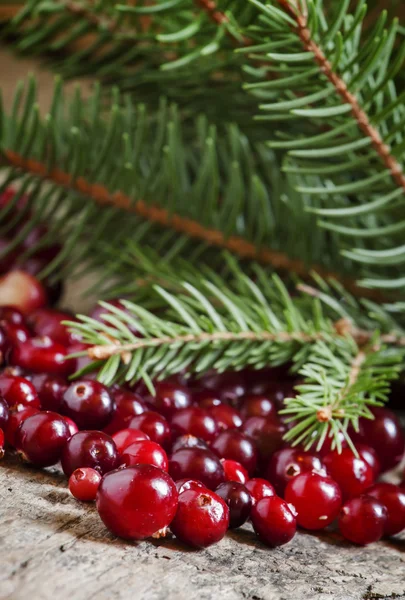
(4, 413)
(21, 290)
(238, 500)
(40, 439)
(206, 399)
(225, 416)
(18, 391)
(202, 518)
(15, 420)
(127, 405)
(99, 313)
(362, 520)
(189, 484)
(12, 316)
(14, 334)
(189, 441)
(317, 499)
(145, 452)
(2, 443)
(195, 463)
(273, 521)
(354, 475)
(88, 403)
(232, 391)
(154, 425)
(384, 433)
(393, 498)
(237, 446)
(42, 355)
(259, 489)
(258, 406)
(234, 471)
(126, 437)
(368, 454)
(48, 322)
(290, 462)
(5, 345)
(50, 390)
(73, 428)
(195, 421)
(169, 398)
(137, 502)
(93, 449)
(267, 435)
(84, 484)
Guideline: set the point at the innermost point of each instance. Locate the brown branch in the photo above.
(383, 150)
(220, 18)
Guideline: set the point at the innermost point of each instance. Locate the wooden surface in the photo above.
(52, 547)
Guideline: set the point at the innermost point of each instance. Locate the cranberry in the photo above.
(384, 433)
(317, 499)
(290, 462)
(50, 390)
(238, 500)
(15, 420)
(18, 391)
(84, 483)
(170, 397)
(206, 399)
(362, 520)
(202, 518)
(258, 406)
(2, 443)
(393, 498)
(73, 428)
(273, 521)
(4, 413)
(368, 454)
(93, 449)
(137, 502)
(237, 446)
(145, 452)
(195, 421)
(14, 334)
(127, 405)
(232, 391)
(259, 489)
(42, 355)
(21, 290)
(154, 425)
(225, 416)
(195, 463)
(354, 475)
(189, 441)
(48, 322)
(40, 439)
(326, 447)
(189, 484)
(234, 471)
(88, 403)
(5, 345)
(126, 437)
(267, 434)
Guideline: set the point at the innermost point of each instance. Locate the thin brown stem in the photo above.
(220, 18)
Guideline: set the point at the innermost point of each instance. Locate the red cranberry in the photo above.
(368, 454)
(170, 397)
(42, 355)
(194, 421)
(234, 471)
(137, 502)
(5, 345)
(202, 518)
(18, 391)
(206, 399)
(232, 391)
(154, 425)
(14, 334)
(73, 428)
(195, 463)
(40, 439)
(88, 403)
(145, 452)
(384, 433)
(267, 434)
(354, 475)
(15, 420)
(189, 484)
(50, 390)
(259, 489)
(393, 498)
(84, 483)
(326, 447)
(362, 520)
(127, 405)
(273, 521)
(2, 443)
(225, 416)
(290, 462)
(93, 449)
(237, 446)
(258, 406)
(189, 441)
(238, 500)
(4, 413)
(317, 499)
(48, 322)
(126, 437)
(21, 290)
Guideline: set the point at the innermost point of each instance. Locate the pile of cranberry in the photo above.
(200, 456)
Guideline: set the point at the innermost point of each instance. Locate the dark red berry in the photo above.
(2, 443)
(93, 449)
(42, 355)
(259, 489)
(5, 345)
(169, 398)
(127, 405)
(226, 416)
(145, 452)
(88, 403)
(18, 392)
(267, 435)
(202, 518)
(48, 322)
(137, 502)
(4, 413)
(73, 428)
(393, 498)
(14, 334)
(41, 438)
(368, 454)
(11, 314)
(206, 399)
(195, 421)
(237, 446)
(273, 521)
(84, 483)
(195, 463)
(238, 500)
(354, 475)
(326, 447)
(189, 484)
(290, 462)
(126, 437)
(154, 425)
(189, 441)
(362, 520)
(21, 290)
(316, 499)
(16, 418)
(258, 406)
(50, 390)
(234, 471)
